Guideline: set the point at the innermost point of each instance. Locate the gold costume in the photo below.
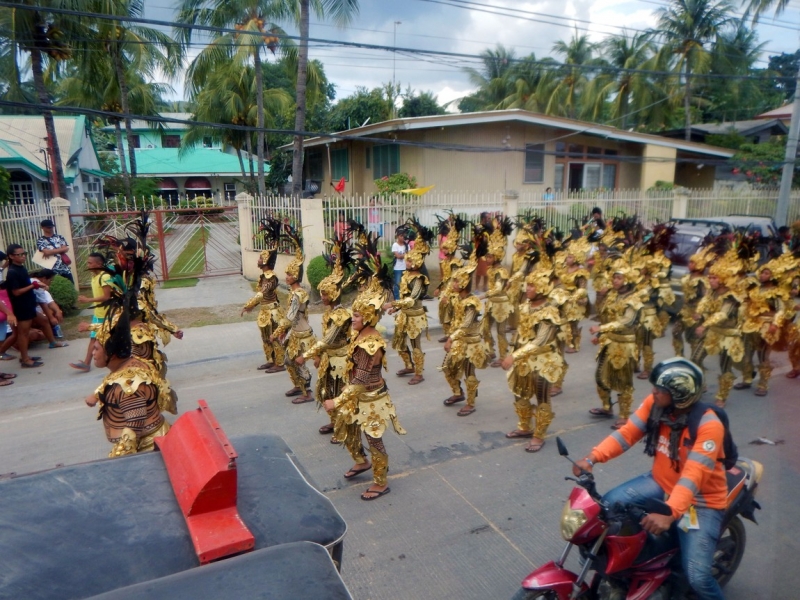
(130, 401)
(468, 350)
(575, 281)
(411, 321)
(270, 316)
(449, 266)
(365, 405)
(694, 286)
(537, 365)
(617, 355)
(299, 338)
(332, 351)
(765, 311)
(497, 309)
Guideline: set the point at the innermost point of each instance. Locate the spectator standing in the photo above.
(340, 228)
(548, 196)
(7, 320)
(23, 301)
(399, 251)
(52, 244)
(374, 217)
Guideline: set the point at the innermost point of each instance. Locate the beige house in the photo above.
(506, 150)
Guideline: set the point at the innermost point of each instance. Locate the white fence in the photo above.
(19, 224)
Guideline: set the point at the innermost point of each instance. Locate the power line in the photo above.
(542, 64)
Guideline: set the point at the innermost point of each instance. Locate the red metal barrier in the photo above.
(201, 463)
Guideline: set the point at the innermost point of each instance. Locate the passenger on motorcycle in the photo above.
(691, 478)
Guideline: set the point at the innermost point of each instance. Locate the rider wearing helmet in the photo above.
(691, 477)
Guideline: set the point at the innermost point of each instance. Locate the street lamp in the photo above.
(394, 64)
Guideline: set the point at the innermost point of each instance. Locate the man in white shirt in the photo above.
(399, 251)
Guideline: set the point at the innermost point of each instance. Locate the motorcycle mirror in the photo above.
(562, 449)
(656, 507)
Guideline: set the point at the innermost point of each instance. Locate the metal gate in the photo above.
(188, 242)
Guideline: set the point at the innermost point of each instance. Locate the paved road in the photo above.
(470, 513)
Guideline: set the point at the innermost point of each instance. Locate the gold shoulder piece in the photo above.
(340, 316)
(301, 294)
(372, 343)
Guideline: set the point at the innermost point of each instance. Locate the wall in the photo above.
(658, 165)
(688, 175)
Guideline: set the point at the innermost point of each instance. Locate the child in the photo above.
(101, 292)
(47, 305)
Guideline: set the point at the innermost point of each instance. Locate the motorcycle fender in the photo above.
(623, 550)
(644, 585)
(552, 577)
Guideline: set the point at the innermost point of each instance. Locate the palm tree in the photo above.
(759, 7)
(493, 79)
(687, 27)
(132, 49)
(568, 83)
(525, 80)
(256, 32)
(341, 12)
(43, 35)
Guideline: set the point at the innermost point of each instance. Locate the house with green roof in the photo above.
(204, 170)
(23, 153)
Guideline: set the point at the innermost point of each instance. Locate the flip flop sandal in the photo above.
(760, 393)
(81, 366)
(326, 429)
(32, 365)
(643, 375)
(742, 386)
(416, 380)
(466, 411)
(601, 412)
(403, 372)
(356, 472)
(512, 435)
(619, 424)
(6, 356)
(58, 345)
(376, 496)
(791, 374)
(275, 369)
(8, 375)
(452, 400)
(303, 399)
(5, 382)
(295, 391)
(534, 447)
(334, 440)
(265, 366)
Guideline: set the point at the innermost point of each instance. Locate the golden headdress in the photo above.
(702, 257)
(472, 253)
(339, 258)
(422, 244)
(357, 231)
(543, 279)
(451, 228)
(295, 268)
(736, 261)
(376, 280)
(498, 237)
(269, 230)
(578, 248)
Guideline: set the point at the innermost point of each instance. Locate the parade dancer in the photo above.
(451, 229)
(574, 276)
(270, 313)
(719, 331)
(694, 286)
(535, 363)
(465, 346)
(330, 353)
(616, 336)
(295, 332)
(521, 263)
(497, 306)
(364, 404)
(412, 320)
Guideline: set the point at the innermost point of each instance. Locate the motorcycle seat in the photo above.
(736, 476)
(746, 474)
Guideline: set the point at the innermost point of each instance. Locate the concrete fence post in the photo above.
(244, 203)
(312, 217)
(680, 205)
(510, 209)
(60, 208)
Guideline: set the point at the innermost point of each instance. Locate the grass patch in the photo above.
(191, 260)
(180, 283)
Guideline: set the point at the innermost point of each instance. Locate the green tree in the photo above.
(33, 30)
(566, 85)
(5, 186)
(527, 79)
(362, 106)
(419, 104)
(688, 28)
(492, 79)
(763, 163)
(784, 67)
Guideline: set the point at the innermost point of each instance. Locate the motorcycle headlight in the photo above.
(571, 521)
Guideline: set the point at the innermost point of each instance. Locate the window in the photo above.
(22, 192)
(91, 187)
(534, 163)
(561, 149)
(610, 176)
(170, 141)
(367, 156)
(315, 166)
(385, 160)
(580, 167)
(558, 184)
(230, 191)
(136, 141)
(46, 192)
(340, 164)
(207, 142)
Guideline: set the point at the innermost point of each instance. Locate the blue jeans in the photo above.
(697, 545)
(398, 275)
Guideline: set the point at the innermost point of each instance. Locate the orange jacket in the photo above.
(701, 480)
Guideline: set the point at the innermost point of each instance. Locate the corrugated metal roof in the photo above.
(198, 161)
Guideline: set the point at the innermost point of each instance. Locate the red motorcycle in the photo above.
(628, 562)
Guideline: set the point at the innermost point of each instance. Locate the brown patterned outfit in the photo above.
(129, 407)
(332, 350)
(365, 405)
(270, 316)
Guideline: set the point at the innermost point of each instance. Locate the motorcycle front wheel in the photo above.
(729, 552)
(523, 594)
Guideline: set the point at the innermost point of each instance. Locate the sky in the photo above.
(433, 25)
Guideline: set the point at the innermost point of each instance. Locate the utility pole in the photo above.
(782, 210)
(394, 67)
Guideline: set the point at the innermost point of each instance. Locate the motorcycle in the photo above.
(628, 562)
